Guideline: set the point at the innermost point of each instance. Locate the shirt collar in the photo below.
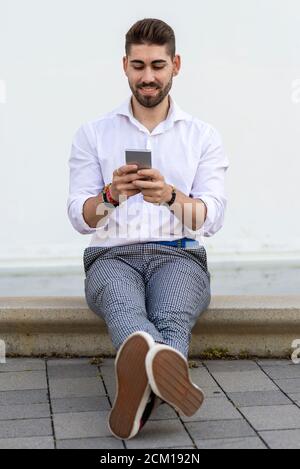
(175, 114)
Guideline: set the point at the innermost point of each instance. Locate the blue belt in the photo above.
(180, 243)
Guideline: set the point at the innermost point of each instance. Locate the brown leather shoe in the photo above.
(132, 386)
(168, 374)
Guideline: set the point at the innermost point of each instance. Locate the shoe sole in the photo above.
(168, 375)
(132, 386)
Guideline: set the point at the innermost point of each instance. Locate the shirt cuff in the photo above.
(210, 215)
(76, 215)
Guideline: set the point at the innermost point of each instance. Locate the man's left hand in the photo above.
(155, 190)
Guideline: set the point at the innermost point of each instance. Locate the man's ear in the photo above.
(125, 62)
(177, 65)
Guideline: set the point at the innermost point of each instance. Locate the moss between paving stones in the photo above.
(208, 354)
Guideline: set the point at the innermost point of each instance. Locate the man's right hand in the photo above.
(122, 182)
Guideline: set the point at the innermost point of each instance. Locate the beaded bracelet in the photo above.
(173, 196)
(107, 196)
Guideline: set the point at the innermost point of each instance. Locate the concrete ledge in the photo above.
(52, 326)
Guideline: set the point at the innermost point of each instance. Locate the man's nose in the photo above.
(148, 76)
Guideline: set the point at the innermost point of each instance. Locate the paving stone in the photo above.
(202, 378)
(214, 409)
(295, 397)
(107, 370)
(266, 363)
(73, 371)
(244, 381)
(177, 447)
(231, 443)
(282, 439)
(27, 443)
(212, 391)
(108, 373)
(219, 429)
(67, 361)
(76, 387)
(258, 398)
(230, 365)
(108, 363)
(25, 428)
(164, 412)
(160, 434)
(283, 372)
(107, 367)
(288, 385)
(273, 417)
(24, 411)
(111, 392)
(91, 443)
(32, 396)
(80, 404)
(22, 364)
(81, 425)
(110, 382)
(23, 380)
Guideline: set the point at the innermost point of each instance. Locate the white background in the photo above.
(61, 65)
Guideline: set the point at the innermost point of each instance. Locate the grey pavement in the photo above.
(64, 403)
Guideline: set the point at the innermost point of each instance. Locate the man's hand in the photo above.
(122, 182)
(155, 190)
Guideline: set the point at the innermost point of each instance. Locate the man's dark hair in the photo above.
(151, 31)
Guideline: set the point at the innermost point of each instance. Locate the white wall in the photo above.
(61, 65)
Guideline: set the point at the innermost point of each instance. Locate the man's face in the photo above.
(150, 72)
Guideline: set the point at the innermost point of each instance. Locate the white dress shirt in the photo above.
(187, 152)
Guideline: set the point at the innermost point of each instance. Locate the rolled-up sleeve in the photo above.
(209, 182)
(86, 179)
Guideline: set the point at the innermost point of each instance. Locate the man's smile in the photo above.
(148, 91)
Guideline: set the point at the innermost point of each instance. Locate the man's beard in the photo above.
(151, 101)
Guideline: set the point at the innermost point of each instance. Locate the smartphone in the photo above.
(142, 158)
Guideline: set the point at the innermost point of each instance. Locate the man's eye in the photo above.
(141, 68)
